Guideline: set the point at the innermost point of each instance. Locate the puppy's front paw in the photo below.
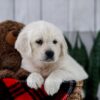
(52, 85)
(35, 80)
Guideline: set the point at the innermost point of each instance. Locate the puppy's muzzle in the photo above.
(49, 55)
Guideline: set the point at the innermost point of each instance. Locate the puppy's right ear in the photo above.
(22, 44)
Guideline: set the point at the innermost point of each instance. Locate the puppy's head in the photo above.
(42, 41)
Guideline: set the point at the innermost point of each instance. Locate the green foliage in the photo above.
(94, 66)
(79, 52)
(91, 64)
(69, 45)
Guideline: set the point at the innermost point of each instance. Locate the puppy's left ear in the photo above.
(23, 44)
(64, 47)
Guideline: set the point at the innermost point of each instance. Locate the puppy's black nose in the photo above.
(49, 54)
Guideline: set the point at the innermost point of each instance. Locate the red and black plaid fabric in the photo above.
(12, 89)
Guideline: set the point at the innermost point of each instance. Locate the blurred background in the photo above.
(78, 19)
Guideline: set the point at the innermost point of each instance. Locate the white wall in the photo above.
(69, 15)
(6, 9)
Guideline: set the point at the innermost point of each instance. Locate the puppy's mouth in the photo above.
(47, 60)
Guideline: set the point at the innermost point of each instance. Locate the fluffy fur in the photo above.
(33, 42)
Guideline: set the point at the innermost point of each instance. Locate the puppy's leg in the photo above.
(35, 80)
(53, 82)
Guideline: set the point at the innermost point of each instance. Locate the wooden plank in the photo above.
(27, 10)
(55, 11)
(98, 15)
(81, 15)
(6, 9)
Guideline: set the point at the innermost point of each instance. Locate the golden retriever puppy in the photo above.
(45, 55)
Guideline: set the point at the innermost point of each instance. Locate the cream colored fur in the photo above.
(51, 73)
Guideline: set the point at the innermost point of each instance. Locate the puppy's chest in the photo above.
(46, 71)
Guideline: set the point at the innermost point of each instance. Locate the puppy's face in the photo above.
(46, 47)
(42, 41)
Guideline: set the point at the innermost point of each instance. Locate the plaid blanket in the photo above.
(12, 89)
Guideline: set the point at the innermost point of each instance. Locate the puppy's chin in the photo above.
(49, 61)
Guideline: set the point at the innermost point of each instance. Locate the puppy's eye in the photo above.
(40, 42)
(55, 41)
